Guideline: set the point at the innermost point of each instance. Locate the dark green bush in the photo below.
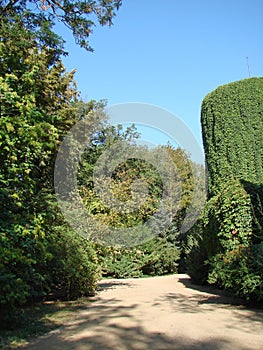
(239, 271)
(196, 255)
(120, 262)
(161, 257)
(234, 266)
(156, 257)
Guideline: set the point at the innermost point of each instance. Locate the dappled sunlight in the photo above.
(157, 313)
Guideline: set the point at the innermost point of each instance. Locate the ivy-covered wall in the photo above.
(232, 124)
(230, 232)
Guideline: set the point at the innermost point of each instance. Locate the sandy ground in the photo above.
(158, 313)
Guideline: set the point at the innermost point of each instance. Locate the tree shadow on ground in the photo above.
(107, 324)
(100, 328)
(113, 284)
(218, 296)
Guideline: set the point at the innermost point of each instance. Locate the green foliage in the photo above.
(228, 215)
(39, 255)
(223, 247)
(34, 265)
(74, 266)
(79, 16)
(232, 126)
(196, 254)
(159, 255)
(240, 271)
(156, 257)
(231, 227)
(21, 246)
(232, 266)
(117, 262)
(133, 169)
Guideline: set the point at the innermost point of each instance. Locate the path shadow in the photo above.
(106, 324)
(99, 328)
(113, 284)
(219, 296)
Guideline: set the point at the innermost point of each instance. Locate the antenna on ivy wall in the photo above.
(248, 68)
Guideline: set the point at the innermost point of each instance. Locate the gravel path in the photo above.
(158, 313)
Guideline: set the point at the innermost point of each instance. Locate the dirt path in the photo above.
(158, 313)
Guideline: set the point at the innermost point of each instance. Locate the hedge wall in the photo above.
(232, 124)
(229, 248)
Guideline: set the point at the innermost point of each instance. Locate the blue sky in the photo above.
(170, 53)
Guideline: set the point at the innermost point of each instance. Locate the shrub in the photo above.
(22, 244)
(239, 271)
(223, 248)
(161, 257)
(156, 257)
(74, 269)
(196, 255)
(34, 265)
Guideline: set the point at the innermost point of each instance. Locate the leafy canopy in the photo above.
(79, 16)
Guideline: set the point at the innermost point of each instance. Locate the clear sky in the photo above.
(170, 53)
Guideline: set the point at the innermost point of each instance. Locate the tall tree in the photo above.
(39, 103)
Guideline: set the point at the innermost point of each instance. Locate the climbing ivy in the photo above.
(230, 232)
(232, 123)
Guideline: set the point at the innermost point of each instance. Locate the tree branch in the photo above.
(9, 6)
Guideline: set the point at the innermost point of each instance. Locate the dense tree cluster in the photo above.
(158, 254)
(41, 256)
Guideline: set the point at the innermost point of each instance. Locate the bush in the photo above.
(120, 262)
(156, 257)
(22, 244)
(196, 255)
(161, 257)
(239, 271)
(34, 265)
(223, 249)
(74, 269)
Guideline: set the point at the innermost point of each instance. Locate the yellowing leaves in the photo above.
(11, 78)
(9, 127)
(15, 196)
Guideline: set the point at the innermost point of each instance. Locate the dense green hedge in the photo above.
(226, 247)
(232, 123)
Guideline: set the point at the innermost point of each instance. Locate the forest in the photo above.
(41, 256)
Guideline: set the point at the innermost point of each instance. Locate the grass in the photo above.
(39, 319)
